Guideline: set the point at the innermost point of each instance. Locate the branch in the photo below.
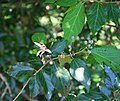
(41, 69)
(1, 84)
(7, 85)
(21, 90)
(4, 92)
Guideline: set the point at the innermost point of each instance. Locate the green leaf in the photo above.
(58, 47)
(90, 59)
(80, 72)
(90, 96)
(108, 55)
(72, 98)
(96, 17)
(60, 78)
(105, 91)
(62, 61)
(66, 2)
(113, 12)
(46, 83)
(111, 81)
(21, 71)
(34, 86)
(39, 37)
(34, 51)
(110, 86)
(49, 86)
(39, 82)
(74, 22)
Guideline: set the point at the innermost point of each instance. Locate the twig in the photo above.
(6, 83)
(29, 80)
(115, 94)
(21, 90)
(40, 70)
(1, 84)
(4, 92)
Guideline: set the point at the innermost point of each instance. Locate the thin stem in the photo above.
(21, 90)
(41, 69)
(6, 83)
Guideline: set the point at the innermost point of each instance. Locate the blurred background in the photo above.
(19, 20)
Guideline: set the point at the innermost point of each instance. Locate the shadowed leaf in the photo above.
(97, 16)
(113, 12)
(21, 71)
(58, 47)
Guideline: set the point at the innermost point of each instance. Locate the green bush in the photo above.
(59, 50)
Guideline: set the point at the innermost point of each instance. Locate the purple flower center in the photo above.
(43, 48)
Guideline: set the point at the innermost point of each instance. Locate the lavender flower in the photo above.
(42, 50)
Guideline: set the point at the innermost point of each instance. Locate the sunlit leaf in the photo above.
(21, 71)
(80, 72)
(97, 16)
(74, 22)
(62, 61)
(108, 55)
(60, 78)
(39, 37)
(90, 59)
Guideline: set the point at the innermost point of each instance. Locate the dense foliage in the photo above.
(59, 50)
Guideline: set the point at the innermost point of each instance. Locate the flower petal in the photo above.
(41, 53)
(38, 53)
(47, 50)
(39, 45)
